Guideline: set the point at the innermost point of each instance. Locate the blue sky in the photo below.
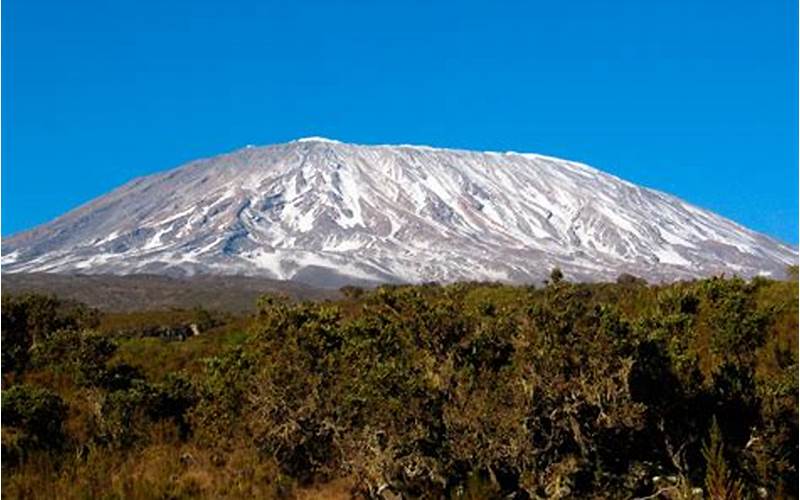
(694, 98)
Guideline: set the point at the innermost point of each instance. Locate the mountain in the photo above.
(329, 213)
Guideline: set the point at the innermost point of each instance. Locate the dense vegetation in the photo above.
(460, 391)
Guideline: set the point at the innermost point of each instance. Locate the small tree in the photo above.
(271, 300)
(204, 319)
(352, 292)
(556, 276)
(629, 279)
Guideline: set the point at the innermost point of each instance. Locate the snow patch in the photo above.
(667, 255)
(316, 138)
(9, 258)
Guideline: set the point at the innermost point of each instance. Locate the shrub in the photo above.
(82, 354)
(630, 280)
(719, 482)
(128, 415)
(30, 319)
(33, 418)
(462, 390)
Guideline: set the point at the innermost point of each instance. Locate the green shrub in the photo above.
(82, 354)
(33, 419)
(719, 483)
(30, 319)
(128, 415)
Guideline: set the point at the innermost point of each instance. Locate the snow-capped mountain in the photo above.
(330, 213)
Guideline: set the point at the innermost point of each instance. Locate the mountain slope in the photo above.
(330, 213)
(143, 292)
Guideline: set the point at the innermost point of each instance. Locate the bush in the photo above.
(30, 319)
(463, 390)
(128, 415)
(81, 354)
(630, 280)
(33, 419)
(719, 482)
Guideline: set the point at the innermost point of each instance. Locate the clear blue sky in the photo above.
(697, 98)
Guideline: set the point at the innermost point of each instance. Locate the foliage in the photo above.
(792, 273)
(466, 390)
(29, 319)
(128, 414)
(631, 280)
(718, 481)
(82, 354)
(32, 419)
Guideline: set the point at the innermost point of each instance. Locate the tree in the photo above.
(556, 276)
(629, 279)
(352, 292)
(204, 319)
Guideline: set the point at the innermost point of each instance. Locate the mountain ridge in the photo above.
(332, 213)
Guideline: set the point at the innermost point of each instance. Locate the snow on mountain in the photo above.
(329, 213)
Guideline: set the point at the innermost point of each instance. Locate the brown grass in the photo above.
(168, 468)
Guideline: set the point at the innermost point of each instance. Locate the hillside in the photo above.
(151, 292)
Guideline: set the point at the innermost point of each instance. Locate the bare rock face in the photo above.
(330, 213)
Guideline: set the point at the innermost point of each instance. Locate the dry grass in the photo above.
(157, 471)
(166, 469)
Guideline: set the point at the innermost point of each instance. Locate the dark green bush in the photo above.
(129, 414)
(30, 319)
(33, 419)
(82, 354)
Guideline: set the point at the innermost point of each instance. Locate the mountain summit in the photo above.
(330, 213)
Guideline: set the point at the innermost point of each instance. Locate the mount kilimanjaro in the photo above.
(329, 213)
